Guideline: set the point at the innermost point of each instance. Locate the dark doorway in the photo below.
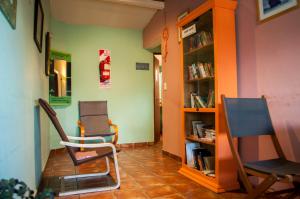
(157, 73)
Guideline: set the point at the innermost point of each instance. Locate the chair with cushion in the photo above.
(250, 117)
(94, 121)
(94, 151)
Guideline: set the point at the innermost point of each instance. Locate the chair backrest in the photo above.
(93, 115)
(52, 115)
(247, 117)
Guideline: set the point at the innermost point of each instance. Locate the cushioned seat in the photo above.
(280, 166)
(90, 154)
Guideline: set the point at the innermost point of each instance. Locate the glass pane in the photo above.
(198, 46)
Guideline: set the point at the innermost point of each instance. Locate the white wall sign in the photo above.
(189, 31)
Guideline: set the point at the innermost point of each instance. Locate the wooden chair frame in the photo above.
(114, 126)
(269, 179)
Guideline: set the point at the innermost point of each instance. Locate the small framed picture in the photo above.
(38, 24)
(47, 53)
(268, 9)
(179, 17)
(9, 10)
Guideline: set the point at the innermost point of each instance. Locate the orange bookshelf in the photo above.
(208, 62)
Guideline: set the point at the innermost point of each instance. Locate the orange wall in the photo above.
(171, 68)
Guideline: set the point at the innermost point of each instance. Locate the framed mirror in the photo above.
(60, 79)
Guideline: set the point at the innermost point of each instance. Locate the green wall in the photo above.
(130, 98)
(24, 145)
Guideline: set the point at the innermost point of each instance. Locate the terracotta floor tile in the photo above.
(129, 184)
(150, 182)
(130, 194)
(104, 195)
(173, 196)
(144, 171)
(160, 191)
(185, 187)
(200, 194)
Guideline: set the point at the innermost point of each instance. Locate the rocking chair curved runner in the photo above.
(100, 150)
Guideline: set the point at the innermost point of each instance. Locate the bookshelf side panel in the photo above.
(226, 83)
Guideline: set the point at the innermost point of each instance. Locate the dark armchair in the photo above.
(250, 117)
(95, 151)
(94, 121)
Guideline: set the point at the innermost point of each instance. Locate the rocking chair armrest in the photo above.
(86, 138)
(81, 128)
(98, 145)
(116, 131)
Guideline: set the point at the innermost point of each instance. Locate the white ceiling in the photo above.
(133, 14)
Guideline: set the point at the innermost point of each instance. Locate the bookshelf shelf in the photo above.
(208, 69)
(199, 172)
(196, 139)
(201, 79)
(203, 49)
(196, 110)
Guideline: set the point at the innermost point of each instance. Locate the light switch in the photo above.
(165, 86)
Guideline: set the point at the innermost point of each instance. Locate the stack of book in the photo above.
(208, 135)
(200, 70)
(200, 158)
(199, 102)
(200, 40)
(203, 132)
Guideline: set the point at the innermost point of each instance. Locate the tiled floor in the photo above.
(145, 173)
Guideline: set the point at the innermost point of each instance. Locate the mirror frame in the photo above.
(65, 100)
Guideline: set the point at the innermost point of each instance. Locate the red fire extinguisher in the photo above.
(104, 66)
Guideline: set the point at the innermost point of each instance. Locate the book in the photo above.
(192, 101)
(196, 161)
(200, 101)
(189, 146)
(209, 162)
(194, 125)
(200, 129)
(201, 69)
(201, 154)
(211, 99)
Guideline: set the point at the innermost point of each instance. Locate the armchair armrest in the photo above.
(86, 138)
(81, 128)
(77, 145)
(82, 132)
(116, 130)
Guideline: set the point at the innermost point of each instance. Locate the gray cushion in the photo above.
(279, 166)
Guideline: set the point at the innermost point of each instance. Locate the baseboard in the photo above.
(178, 158)
(134, 145)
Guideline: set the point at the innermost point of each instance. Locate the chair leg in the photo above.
(262, 187)
(99, 189)
(296, 191)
